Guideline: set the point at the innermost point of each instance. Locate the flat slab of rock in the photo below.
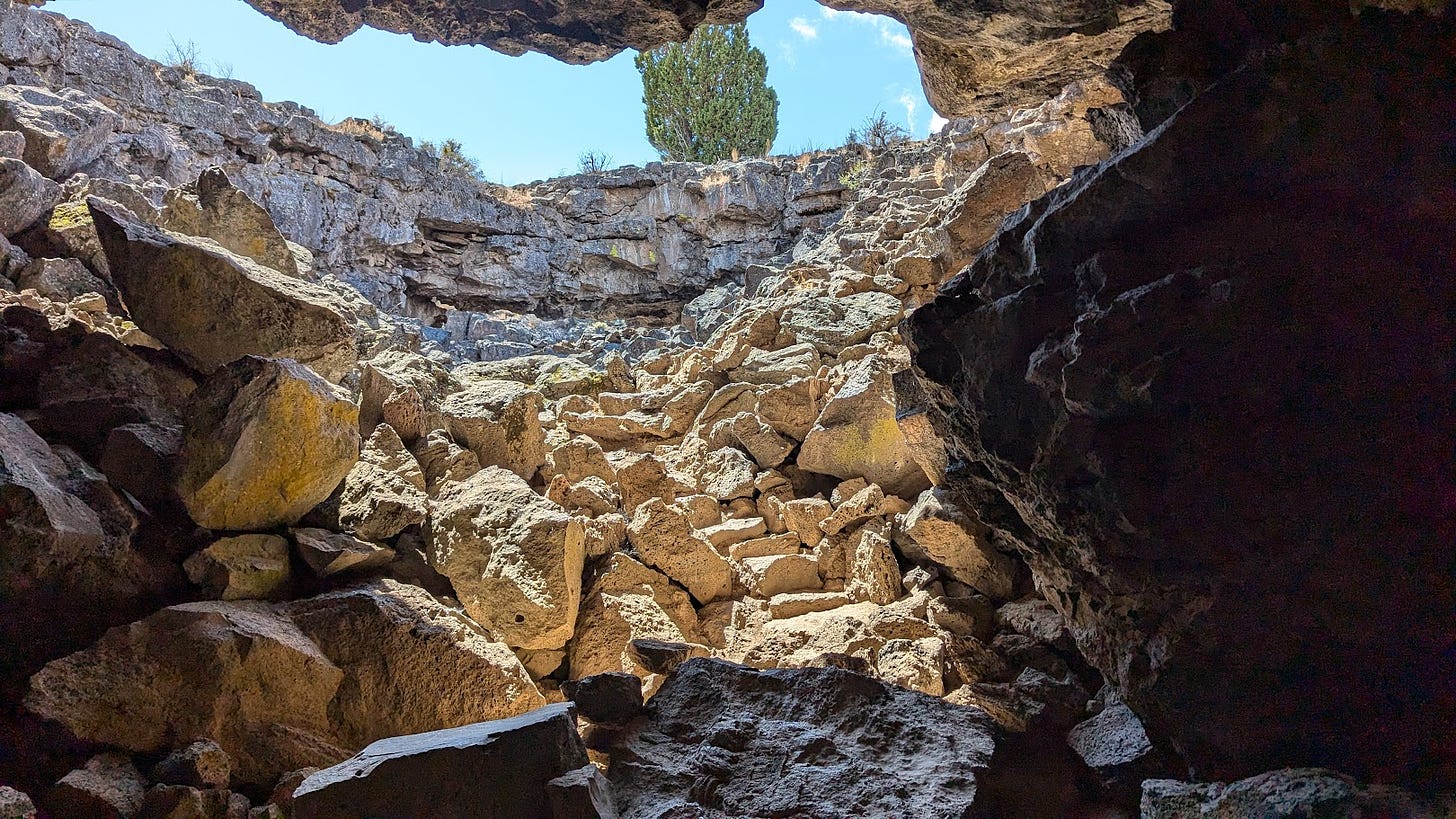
(723, 739)
(211, 306)
(496, 768)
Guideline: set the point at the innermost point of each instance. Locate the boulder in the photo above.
(778, 574)
(832, 323)
(498, 768)
(264, 442)
(185, 802)
(514, 557)
(627, 602)
(232, 306)
(25, 196)
(665, 539)
(330, 553)
(65, 129)
(612, 697)
(1285, 794)
(60, 279)
(385, 490)
(810, 742)
(443, 460)
(15, 805)
(201, 764)
(1114, 745)
(871, 571)
(578, 458)
(581, 794)
(245, 567)
(856, 435)
(936, 530)
(499, 421)
(107, 787)
(142, 459)
(213, 207)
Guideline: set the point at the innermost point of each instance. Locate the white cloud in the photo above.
(908, 100)
(892, 33)
(804, 28)
(937, 122)
(788, 54)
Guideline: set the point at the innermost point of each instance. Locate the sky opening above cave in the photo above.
(529, 117)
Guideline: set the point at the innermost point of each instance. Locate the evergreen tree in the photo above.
(708, 98)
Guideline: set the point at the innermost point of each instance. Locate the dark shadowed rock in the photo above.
(202, 764)
(612, 698)
(1115, 746)
(15, 805)
(801, 742)
(581, 794)
(329, 553)
(141, 459)
(185, 802)
(496, 768)
(1286, 794)
(1206, 386)
(211, 306)
(108, 787)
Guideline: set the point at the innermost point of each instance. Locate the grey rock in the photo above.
(25, 196)
(15, 805)
(108, 787)
(64, 130)
(1285, 794)
(496, 768)
(581, 794)
(613, 698)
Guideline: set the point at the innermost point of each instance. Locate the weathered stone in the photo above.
(498, 768)
(330, 553)
(385, 490)
(264, 442)
(871, 572)
(854, 510)
(935, 530)
(578, 458)
(25, 196)
(803, 517)
(214, 208)
(914, 664)
(1284, 794)
(628, 601)
(514, 557)
(612, 697)
(665, 539)
(61, 280)
(201, 764)
(782, 745)
(184, 802)
(785, 544)
(108, 787)
(404, 410)
(443, 460)
(64, 130)
(234, 306)
(498, 421)
(832, 324)
(778, 574)
(794, 604)
(245, 567)
(857, 435)
(662, 656)
(1114, 745)
(643, 478)
(15, 805)
(581, 794)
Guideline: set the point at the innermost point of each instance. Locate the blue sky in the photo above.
(529, 117)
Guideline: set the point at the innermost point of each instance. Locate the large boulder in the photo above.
(937, 531)
(65, 130)
(25, 196)
(857, 435)
(496, 768)
(213, 207)
(385, 491)
(1207, 388)
(802, 742)
(514, 557)
(831, 323)
(665, 539)
(627, 602)
(211, 306)
(499, 421)
(286, 686)
(265, 441)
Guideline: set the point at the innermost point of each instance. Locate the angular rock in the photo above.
(443, 460)
(141, 459)
(628, 602)
(201, 764)
(60, 279)
(15, 805)
(662, 534)
(264, 442)
(612, 697)
(108, 787)
(798, 742)
(183, 802)
(831, 324)
(768, 576)
(385, 490)
(938, 531)
(661, 656)
(857, 435)
(330, 553)
(213, 207)
(578, 458)
(1114, 745)
(514, 557)
(498, 768)
(64, 130)
(233, 306)
(915, 664)
(1284, 794)
(581, 794)
(245, 567)
(499, 421)
(25, 196)
(872, 573)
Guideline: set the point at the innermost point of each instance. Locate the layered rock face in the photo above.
(1204, 386)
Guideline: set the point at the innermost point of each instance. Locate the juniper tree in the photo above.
(708, 98)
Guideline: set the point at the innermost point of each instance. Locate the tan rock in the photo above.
(500, 422)
(234, 306)
(859, 630)
(264, 441)
(857, 434)
(443, 460)
(591, 495)
(795, 604)
(628, 601)
(733, 531)
(778, 574)
(514, 557)
(331, 553)
(873, 575)
(733, 626)
(831, 324)
(762, 442)
(404, 410)
(804, 516)
(784, 544)
(396, 372)
(665, 539)
(778, 366)
(246, 567)
(604, 534)
(862, 506)
(935, 530)
(108, 785)
(915, 664)
(385, 490)
(704, 511)
(213, 207)
(578, 458)
(792, 408)
(642, 477)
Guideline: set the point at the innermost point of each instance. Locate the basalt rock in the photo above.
(1201, 384)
